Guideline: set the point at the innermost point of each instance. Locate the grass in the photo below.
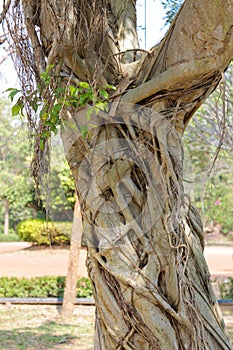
(27, 327)
(41, 328)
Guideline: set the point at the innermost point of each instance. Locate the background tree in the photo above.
(69, 299)
(59, 192)
(145, 240)
(208, 140)
(17, 190)
(171, 7)
(16, 186)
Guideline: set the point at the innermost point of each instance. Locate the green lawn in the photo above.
(27, 327)
(41, 328)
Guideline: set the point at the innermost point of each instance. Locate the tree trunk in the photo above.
(145, 240)
(6, 216)
(72, 271)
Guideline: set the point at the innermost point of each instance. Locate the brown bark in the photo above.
(145, 239)
(72, 270)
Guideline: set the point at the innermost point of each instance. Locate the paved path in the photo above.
(219, 260)
(41, 262)
(16, 261)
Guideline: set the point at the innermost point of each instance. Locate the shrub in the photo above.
(41, 232)
(41, 287)
(11, 237)
(84, 288)
(226, 289)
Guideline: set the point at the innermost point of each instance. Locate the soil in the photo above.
(23, 260)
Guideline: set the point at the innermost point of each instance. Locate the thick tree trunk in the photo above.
(72, 271)
(145, 240)
(6, 216)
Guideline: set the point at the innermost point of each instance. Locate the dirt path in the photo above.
(31, 261)
(22, 260)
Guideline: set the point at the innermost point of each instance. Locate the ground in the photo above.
(23, 260)
(28, 327)
(39, 261)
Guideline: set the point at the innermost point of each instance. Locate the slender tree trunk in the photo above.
(72, 271)
(6, 216)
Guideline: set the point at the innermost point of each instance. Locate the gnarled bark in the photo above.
(145, 240)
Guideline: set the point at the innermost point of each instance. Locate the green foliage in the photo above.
(171, 7)
(44, 233)
(41, 287)
(210, 131)
(219, 201)
(15, 181)
(84, 288)
(11, 237)
(214, 195)
(16, 184)
(49, 100)
(226, 289)
(61, 199)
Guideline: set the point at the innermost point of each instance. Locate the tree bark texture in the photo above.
(145, 239)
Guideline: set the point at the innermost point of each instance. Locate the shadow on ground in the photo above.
(48, 335)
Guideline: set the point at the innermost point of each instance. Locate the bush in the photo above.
(219, 202)
(11, 237)
(41, 287)
(226, 289)
(41, 232)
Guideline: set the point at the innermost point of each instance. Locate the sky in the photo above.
(150, 14)
(150, 25)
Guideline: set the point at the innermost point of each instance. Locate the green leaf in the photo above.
(55, 130)
(73, 90)
(41, 144)
(89, 112)
(46, 134)
(84, 84)
(9, 89)
(84, 131)
(56, 109)
(93, 98)
(112, 87)
(44, 113)
(104, 94)
(13, 92)
(35, 107)
(16, 109)
(83, 99)
(59, 92)
(103, 106)
(46, 75)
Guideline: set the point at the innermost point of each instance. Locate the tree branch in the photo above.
(5, 9)
(124, 26)
(198, 44)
